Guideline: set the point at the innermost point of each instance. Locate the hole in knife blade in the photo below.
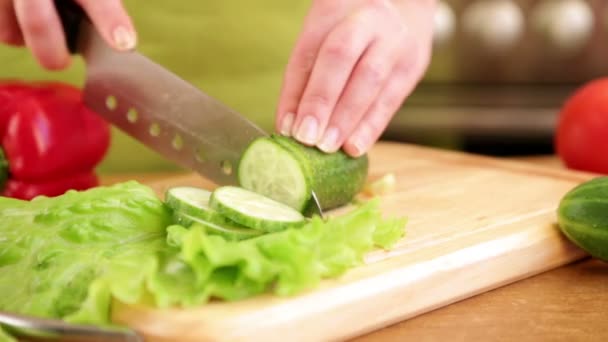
(177, 142)
(111, 102)
(199, 155)
(132, 115)
(226, 166)
(154, 129)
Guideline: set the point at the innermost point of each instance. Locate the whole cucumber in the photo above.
(583, 216)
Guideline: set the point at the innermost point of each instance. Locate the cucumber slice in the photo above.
(254, 210)
(287, 171)
(269, 169)
(193, 202)
(229, 232)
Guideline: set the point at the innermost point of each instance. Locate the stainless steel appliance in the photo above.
(500, 71)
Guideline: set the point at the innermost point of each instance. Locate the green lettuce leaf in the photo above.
(70, 256)
(53, 249)
(286, 262)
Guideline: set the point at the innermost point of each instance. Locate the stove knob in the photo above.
(497, 25)
(566, 25)
(445, 23)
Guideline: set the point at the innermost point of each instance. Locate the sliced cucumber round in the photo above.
(229, 232)
(269, 169)
(193, 202)
(253, 210)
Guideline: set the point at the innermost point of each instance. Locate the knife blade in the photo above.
(158, 108)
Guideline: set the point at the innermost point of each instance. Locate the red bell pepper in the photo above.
(51, 142)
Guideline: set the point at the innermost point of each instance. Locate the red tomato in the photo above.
(581, 139)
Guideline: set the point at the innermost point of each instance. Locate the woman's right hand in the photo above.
(36, 24)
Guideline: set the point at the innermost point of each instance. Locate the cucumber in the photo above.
(287, 171)
(226, 230)
(270, 170)
(193, 202)
(253, 210)
(583, 216)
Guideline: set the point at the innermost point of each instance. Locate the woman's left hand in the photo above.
(353, 65)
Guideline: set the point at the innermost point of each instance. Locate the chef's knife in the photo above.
(32, 328)
(156, 107)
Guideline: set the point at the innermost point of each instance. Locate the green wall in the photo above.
(235, 50)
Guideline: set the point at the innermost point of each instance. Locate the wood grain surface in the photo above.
(491, 221)
(567, 304)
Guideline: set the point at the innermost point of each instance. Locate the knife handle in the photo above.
(71, 15)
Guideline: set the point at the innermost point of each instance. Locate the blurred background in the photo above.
(500, 70)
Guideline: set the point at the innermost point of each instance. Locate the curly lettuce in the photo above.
(53, 249)
(70, 256)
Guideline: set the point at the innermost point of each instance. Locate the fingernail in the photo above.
(287, 124)
(357, 146)
(330, 140)
(123, 38)
(307, 132)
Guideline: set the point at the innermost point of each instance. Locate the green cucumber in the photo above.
(583, 216)
(193, 202)
(287, 171)
(270, 170)
(253, 210)
(226, 230)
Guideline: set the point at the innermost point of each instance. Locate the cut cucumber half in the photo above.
(287, 171)
(269, 169)
(253, 210)
(193, 202)
(229, 232)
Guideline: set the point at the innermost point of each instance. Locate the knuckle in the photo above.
(305, 62)
(371, 125)
(347, 114)
(380, 5)
(349, 108)
(404, 64)
(388, 105)
(372, 73)
(316, 101)
(36, 26)
(386, 13)
(339, 49)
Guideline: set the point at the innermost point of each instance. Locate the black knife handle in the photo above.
(71, 15)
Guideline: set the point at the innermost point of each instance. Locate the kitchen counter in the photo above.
(569, 303)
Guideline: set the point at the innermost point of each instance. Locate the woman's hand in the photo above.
(354, 64)
(36, 24)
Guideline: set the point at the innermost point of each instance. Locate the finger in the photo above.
(320, 20)
(368, 77)
(376, 119)
(337, 57)
(9, 28)
(112, 21)
(296, 75)
(42, 32)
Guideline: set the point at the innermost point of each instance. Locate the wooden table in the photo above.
(566, 304)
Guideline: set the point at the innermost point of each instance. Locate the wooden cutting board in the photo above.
(475, 223)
